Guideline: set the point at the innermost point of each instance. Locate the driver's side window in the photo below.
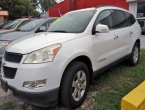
(105, 18)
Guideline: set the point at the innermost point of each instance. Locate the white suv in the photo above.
(57, 66)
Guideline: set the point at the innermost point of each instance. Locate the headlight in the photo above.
(43, 55)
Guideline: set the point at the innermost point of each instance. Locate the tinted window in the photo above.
(12, 24)
(105, 18)
(23, 23)
(129, 18)
(31, 25)
(75, 22)
(119, 19)
(5, 24)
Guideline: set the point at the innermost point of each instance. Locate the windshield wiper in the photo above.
(61, 31)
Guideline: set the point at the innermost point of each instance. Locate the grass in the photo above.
(115, 83)
(7, 106)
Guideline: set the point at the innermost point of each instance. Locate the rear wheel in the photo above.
(74, 85)
(134, 57)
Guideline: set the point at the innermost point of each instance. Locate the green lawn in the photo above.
(115, 83)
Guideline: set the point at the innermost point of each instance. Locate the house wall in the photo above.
(59, 9)
(1, 18)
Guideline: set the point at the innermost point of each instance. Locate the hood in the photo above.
(41, 40)
(14, 35)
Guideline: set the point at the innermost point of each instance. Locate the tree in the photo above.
(18, 8)
(43, 5)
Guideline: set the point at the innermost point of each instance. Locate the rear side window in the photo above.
(129, 18)
(105, 18)
(119, 19)
(115, 19)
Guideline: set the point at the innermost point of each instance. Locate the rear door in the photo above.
(122, 30)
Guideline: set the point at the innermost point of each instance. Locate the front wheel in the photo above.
(134, 57)
(74, 85)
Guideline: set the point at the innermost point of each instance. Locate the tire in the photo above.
(75, 84)
(134, 56)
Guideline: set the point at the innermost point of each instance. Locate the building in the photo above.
(3, 15)
(137, 7)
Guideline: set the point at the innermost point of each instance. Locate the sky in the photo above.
(58, 1)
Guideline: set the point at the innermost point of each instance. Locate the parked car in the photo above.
(141, 21)
(13, 25)
(1, 24)
(35, 26)
(4, 24)
(58, 66)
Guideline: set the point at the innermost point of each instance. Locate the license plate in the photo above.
(4, 86)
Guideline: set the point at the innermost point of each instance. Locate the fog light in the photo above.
(34, 84)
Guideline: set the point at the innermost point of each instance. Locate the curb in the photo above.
(135, 100)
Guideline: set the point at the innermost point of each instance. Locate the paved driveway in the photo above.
(143, 42)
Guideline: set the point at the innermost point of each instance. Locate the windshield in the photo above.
(75, 22)
(12, 24)
(31, 25)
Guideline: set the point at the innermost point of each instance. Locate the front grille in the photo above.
(13, 57)
(9, 72)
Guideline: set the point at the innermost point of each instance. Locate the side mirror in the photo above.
(100, 28)
(42, 29)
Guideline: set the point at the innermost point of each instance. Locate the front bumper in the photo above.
(33, 72)
(42, 99)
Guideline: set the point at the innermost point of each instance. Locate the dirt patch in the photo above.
(9, 102)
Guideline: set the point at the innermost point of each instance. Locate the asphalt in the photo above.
(143, 41)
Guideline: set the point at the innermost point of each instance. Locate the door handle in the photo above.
(131, 33)
(116, 37)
